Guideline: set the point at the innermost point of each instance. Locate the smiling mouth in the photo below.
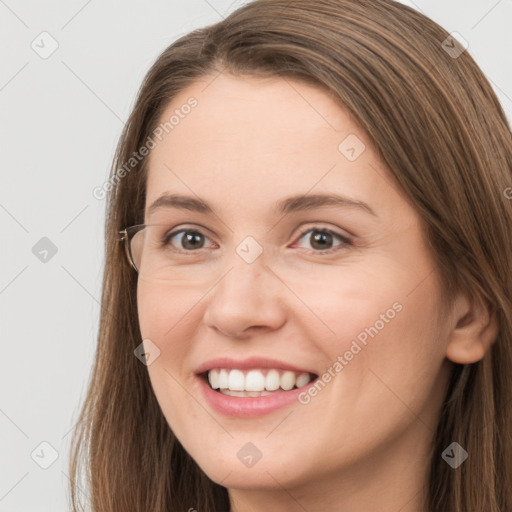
(255, 382)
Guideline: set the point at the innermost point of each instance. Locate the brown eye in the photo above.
(190, 240)
(321, 239)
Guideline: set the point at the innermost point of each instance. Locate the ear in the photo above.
(474, 330)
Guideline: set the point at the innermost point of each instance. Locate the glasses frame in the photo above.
(126, 237)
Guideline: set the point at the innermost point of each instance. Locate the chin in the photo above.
(270, 474)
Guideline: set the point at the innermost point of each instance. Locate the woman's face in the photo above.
(344, 290)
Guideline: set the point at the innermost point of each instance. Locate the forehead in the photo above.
(253, 141)
(235, 114)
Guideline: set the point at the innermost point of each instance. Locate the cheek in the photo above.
(382, 361)
(370, 322)
(165, 310)
(166, 317)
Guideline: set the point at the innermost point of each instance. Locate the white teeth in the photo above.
(255, 382)
(244, 393)
(236, 380)
(213, 379)
(223, 379)
(288, 380)
(302, 380)
(272, 380)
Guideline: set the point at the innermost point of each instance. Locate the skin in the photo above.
(362, 443)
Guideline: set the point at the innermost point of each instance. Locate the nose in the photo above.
(248, 298)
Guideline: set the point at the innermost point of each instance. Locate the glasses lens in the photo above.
(136, 243)
(158, 256)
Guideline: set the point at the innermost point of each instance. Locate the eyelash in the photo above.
(345, 242)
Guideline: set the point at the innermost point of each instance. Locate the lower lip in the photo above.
(248, 407)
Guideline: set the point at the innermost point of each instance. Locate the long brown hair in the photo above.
(439, 127)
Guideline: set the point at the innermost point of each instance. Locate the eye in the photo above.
(323, 238)
(189, 239)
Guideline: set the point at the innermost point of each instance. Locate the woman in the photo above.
(308, 277)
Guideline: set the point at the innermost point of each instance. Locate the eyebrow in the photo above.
(284, 206)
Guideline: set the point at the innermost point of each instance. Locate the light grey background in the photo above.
(61, 117)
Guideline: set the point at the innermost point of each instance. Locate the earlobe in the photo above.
(474, 332)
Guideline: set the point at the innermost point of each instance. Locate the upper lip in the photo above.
(251, 362)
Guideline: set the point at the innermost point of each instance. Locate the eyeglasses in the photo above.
(127, 236)
(153, 254)
(163, 253)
